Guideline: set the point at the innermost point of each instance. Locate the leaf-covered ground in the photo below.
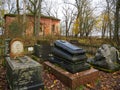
(107, 81)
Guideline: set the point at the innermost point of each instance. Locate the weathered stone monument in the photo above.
(69, 56)
(106, 59)
(23, 73)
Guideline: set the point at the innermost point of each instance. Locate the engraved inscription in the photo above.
(17, 47)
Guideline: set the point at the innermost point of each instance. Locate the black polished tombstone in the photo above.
(69, 56)
(43, 49)
(37, 50)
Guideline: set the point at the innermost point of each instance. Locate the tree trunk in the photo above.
(18, 12)
(24, 17)
(35, 19)
(117, 22)
(39, 15)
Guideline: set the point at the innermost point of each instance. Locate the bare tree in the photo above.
(47, 7)
(35, 8)
(68, 17)
(17, 6)
(10, 6)
(104, 21)
(113, 8)
(84, 16)
(39, 15)
(50, 8)
(108, 9)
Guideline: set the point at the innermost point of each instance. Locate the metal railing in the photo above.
(2, 50)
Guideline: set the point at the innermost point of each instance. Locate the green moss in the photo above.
(3, 62)
(35, 58)
(80, 88)
(105, 70)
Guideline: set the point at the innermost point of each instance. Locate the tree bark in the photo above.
(117, 22)
(18, 11)
(24, 17)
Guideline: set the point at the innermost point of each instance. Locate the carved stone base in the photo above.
(70, 66)
(24, 74)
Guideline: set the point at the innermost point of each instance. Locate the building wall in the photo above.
(46, 23)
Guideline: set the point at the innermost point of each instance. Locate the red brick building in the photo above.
(49, 25)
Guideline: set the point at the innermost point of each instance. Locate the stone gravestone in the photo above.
(43, 49)
(106, 59)
(69, 56)
(16, 48)
(75, 42)
(7, 45)
(23, 73)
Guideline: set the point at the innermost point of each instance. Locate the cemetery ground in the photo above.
(106, 81)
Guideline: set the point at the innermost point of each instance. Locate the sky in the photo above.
(95, 3)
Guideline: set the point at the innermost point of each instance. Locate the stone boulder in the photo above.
(106, 58)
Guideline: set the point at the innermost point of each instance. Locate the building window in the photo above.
(41, 28)
(53, 28)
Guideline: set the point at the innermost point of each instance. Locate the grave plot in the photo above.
(106, 81)
(72, 80)
(22, 72)
(73, 60)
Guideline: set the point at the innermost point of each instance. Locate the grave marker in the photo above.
(69, 56)
(23, 73)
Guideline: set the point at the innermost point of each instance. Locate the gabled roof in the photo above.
(42, 16)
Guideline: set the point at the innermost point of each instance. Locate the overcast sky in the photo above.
(97, 4)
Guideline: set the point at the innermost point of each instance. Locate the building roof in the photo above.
(43, 16)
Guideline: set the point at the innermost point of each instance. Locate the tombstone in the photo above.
(23, 73)
(69, 56)
(43, 49)
(106, 59)
(37, 50)
(75, 42)
(7, 45)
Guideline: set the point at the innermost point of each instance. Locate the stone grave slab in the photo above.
(24, 75)
(72, 80)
